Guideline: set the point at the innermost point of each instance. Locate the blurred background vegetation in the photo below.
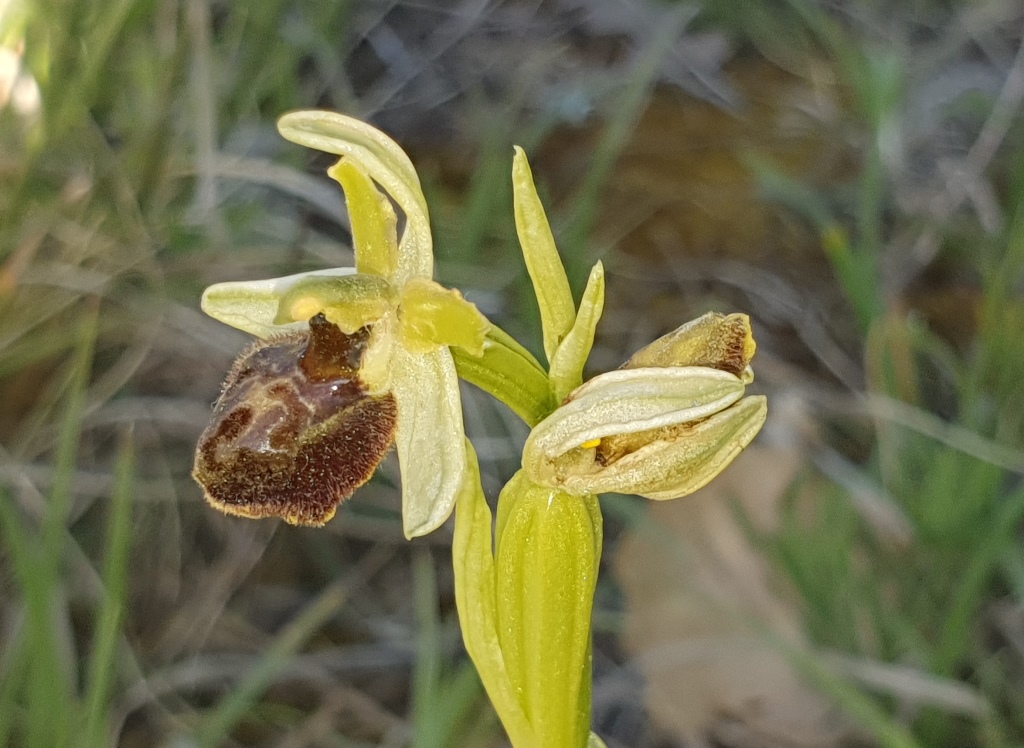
(851, 174)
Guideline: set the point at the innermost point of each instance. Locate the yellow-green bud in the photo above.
(666, 423)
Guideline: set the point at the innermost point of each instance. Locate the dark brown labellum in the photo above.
(295, 432)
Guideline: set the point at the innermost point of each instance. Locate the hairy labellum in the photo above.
(295, 431)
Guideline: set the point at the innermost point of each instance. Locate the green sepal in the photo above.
(510, 373)
(253, 306)
(349, 301)
(550, 283)
(476, 602)
(627, 401)
(372, 217)
(386, 164)
(546, 562)
(566, 372)
(694, 462)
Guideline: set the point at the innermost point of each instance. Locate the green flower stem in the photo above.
(510, 373)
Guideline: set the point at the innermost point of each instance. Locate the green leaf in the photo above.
(109, 619)
(427, 674)
(476, 602)
(550, 283)
(566, 372)
(276, 655)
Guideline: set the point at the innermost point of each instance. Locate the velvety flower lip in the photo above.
(294, 433)
(412, 320)
(662, 426)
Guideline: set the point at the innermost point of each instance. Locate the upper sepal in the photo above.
(383, 161)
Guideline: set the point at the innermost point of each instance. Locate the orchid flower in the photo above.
(410, 320)
(351, 360)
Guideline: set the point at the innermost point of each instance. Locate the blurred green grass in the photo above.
(132, 615)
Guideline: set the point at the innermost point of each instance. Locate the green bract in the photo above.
(568, 333)
(550, 283)
(412, 319)
(547, 551)
(526, 608)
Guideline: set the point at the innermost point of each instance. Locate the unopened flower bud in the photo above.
(666, 423)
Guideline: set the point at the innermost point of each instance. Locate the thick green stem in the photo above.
(510, 373)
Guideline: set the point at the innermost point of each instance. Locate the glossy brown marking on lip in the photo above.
(294, 432)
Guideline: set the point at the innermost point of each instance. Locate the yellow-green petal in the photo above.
(432, 315)
(430, 439)
(567, 364)
(252, 306)
(386, 163)
(372, 217)
(550, 283)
